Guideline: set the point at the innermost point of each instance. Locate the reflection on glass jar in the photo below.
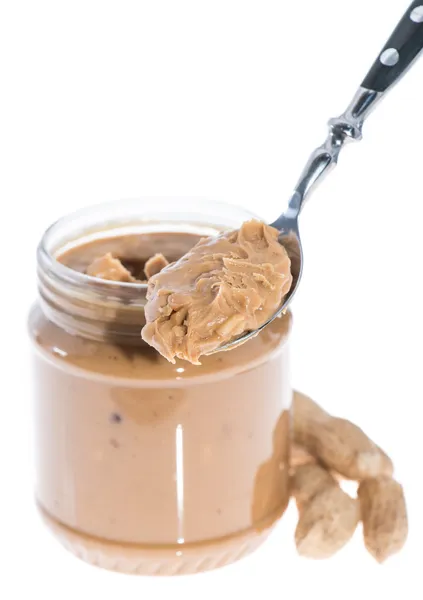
(143, 466)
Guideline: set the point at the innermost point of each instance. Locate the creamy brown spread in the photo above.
(223, 287)
(110, 268)
(154, 265)
(134, 252)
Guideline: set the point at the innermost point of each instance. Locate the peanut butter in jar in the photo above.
(144, 466)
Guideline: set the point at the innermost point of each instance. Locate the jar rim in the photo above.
(66, 273)
(48, 258)
(86, 305)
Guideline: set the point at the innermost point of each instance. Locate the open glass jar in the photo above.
(143, 466)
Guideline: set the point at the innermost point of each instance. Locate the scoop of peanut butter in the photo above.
(223, 287)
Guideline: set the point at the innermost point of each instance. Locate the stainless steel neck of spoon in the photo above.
(343, 129)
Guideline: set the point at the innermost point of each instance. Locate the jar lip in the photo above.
(65, 273)
(48, 260)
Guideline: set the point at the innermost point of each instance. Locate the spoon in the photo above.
(401, 50)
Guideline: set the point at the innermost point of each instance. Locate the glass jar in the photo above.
(143, 466)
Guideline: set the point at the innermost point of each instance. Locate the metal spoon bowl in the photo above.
(402, 49)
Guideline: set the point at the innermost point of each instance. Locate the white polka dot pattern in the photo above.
(399, 53)
(389, 57)
(416, 14)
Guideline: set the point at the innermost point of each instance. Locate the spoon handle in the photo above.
(398, 54)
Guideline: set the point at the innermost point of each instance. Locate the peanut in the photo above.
(300, 456)
(328, 517)
(384, 516)
(307, 481)
(324, 450)
(337, 443)
(305, 413)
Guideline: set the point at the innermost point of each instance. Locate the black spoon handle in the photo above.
(399, 52)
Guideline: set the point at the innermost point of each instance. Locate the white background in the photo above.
(225, 99)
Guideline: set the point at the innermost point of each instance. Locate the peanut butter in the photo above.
(224, 286)
(155, 264)
(109, 268)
